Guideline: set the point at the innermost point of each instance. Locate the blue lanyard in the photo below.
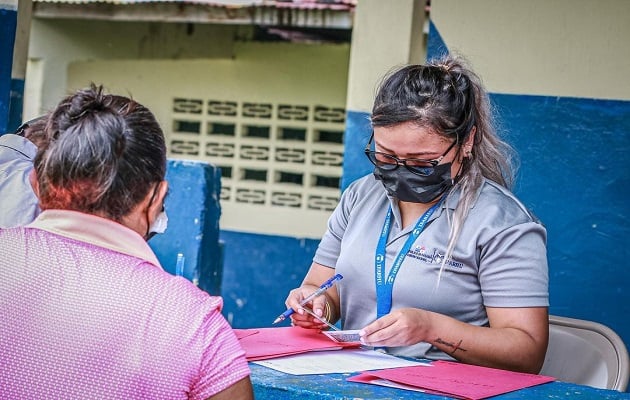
(384, 288)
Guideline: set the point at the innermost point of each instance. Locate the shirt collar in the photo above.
(19, 144)
(95, 230)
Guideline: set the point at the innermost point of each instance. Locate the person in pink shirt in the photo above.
(86, 310)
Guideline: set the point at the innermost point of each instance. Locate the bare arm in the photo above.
(516, 338)
(241, 390)
(316, 276)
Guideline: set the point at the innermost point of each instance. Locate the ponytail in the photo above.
(104, 153)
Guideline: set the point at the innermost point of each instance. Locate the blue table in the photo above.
(270, 384)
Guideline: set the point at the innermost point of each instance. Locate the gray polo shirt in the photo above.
(499, 260)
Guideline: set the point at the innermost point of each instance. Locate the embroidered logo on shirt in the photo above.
(435, 257)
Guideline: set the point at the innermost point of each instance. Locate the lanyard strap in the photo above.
(385, 287)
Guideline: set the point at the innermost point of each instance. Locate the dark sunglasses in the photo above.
(389, 162)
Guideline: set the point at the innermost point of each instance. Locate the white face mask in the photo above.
(159, 225)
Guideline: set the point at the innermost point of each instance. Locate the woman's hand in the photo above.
(318, 305)
(401, 327)
(325, 306)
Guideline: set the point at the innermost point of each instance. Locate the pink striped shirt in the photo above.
(86, 311)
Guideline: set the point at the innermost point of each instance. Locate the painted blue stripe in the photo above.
(259, 271)
(355, 164)
(193, 209)
(16, 104)
(436, 47)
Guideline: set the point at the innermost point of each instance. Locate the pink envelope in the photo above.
(457, 379)
(265, 343)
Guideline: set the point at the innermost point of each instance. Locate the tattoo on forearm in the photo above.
(453, 346)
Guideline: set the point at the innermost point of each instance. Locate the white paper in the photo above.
(348, 336)
(336, 361)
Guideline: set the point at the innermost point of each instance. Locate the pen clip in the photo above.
(320, 319)
(328, 284)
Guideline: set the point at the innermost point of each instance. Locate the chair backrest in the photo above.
(586, 353)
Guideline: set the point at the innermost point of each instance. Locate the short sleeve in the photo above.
(513, 269)
(223, 362)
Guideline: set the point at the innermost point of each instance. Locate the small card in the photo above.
(348, 336)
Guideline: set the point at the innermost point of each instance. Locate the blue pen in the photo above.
(179, 265)
(325, 286)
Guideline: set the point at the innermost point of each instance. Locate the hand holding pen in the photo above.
(325, 286)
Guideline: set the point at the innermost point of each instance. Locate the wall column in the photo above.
(383, 36)
(8, 22)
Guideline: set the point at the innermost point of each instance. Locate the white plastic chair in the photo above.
(586, 353)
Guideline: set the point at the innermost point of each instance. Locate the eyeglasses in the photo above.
(390, 162)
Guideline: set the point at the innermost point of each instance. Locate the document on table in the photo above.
(333, 362)
(455, 379)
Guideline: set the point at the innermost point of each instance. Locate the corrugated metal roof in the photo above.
(300, 4)
(123, 2)
(335, 14)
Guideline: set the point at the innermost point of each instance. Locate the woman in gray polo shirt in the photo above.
(439, 259)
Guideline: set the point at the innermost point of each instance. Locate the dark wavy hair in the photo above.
(104, 154)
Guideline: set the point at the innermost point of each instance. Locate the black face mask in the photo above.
(407, 186)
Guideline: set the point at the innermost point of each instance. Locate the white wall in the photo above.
(574, 48)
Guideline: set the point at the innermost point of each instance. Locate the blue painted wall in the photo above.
(355, 163)
(8, 23)
(16, 104)
(193, 209)
(258, 273)
(575, 176)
